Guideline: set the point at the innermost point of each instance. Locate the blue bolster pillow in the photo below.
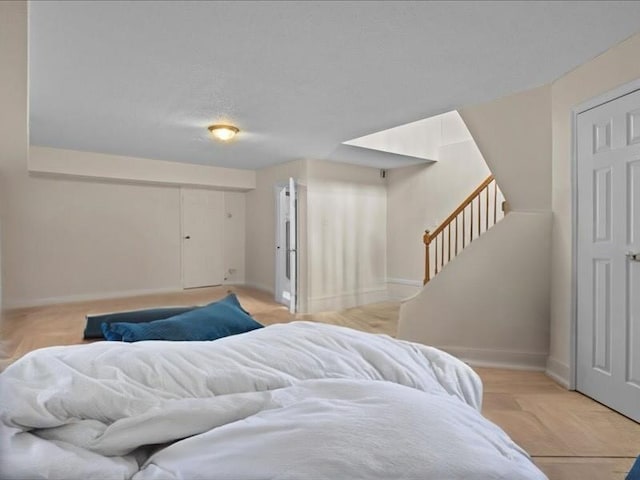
(93, 328)
(216, 320)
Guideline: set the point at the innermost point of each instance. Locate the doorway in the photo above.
(286, 243)
(607, 257)
(202, 217)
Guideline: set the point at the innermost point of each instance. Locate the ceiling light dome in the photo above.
(224, 133)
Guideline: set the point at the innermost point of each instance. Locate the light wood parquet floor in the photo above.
(568, 435)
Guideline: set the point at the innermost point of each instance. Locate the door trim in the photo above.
(594, 102)
(277, 188)
(181, 238)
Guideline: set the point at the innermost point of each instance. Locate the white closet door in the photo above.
(202, 237)
(293, 244)
(608, 273)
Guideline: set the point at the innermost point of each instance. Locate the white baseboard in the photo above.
(477, 357)
(404, 281)
(558, 372)
(259, 286)
(344, 300)
(401, 288)
(39, 302)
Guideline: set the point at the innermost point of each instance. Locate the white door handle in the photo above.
(634, 257)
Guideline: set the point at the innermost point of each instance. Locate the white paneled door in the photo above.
(608, 254)
(202, 238)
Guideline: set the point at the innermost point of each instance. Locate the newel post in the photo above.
(427, 240)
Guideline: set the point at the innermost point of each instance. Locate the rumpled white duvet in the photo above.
(296, 401)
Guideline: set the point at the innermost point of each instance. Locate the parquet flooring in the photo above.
(569, 436)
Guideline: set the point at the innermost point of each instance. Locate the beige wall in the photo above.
(234, 237)
(13, 114)
(101, 166)
(490, 306)
(514, 135)
(1, 297)
(73, 239)
(613, 68)
(66, 238)
(420, 197)
(346, 231)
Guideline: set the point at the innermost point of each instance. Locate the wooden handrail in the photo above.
(428, 236)
(462, 206)
(427, 267)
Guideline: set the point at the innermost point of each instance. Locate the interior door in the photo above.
(293, 241)
(202, 237)
(283, 265)
(286, 243)
(608, 272)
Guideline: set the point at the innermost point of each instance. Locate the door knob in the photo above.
(187, 237)
(634, 257)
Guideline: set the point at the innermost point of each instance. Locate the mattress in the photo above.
(292, 401)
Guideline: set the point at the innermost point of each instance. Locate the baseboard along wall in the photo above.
(11, 304)
(558, 371)
(498, 358)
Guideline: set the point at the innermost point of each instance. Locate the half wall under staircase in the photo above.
(489, 305)
(486, 307)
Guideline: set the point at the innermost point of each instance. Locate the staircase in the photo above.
(474, 216)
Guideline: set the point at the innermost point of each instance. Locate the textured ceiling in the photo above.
(146, 78)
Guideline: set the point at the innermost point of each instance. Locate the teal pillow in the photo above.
(216, 320)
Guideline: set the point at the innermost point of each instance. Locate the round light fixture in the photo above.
(224, 133)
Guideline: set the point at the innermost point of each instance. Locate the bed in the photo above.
(292, 401)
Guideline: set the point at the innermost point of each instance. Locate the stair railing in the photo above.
(467, 223)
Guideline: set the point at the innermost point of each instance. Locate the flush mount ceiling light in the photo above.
(224, 133)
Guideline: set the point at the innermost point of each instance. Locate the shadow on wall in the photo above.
(347, 244)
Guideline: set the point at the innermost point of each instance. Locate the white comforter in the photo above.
(296, 401)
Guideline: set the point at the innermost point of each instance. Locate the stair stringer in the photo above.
(490, 305)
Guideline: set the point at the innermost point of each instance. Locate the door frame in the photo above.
(594, 102)
(282, 253)
(180, 194)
